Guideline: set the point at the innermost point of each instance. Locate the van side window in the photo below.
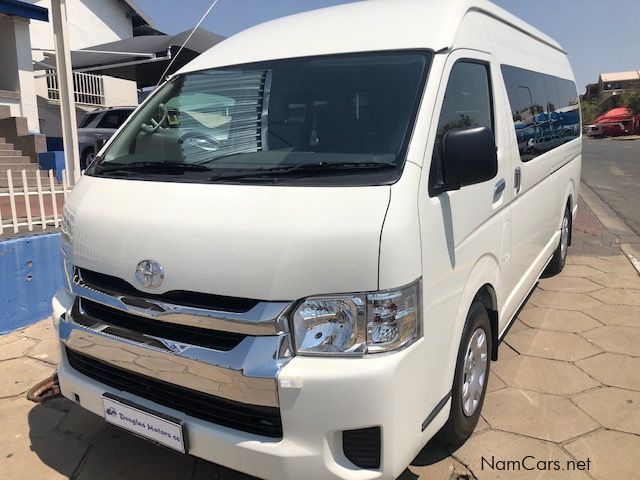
(545, 110)
(467, 103)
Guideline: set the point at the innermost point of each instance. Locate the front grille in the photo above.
(115, 286)
(240, 416)
(362, 446)
(215, 339)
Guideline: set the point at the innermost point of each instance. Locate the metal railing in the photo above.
(88, 88)
(24, 205)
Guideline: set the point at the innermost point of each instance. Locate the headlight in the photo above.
(357, 323)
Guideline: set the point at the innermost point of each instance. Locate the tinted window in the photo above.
(467, 103)
(113, 118)
(544, 109)
(342, 115)
(88, 118)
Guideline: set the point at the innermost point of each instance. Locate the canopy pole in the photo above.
(65, 83)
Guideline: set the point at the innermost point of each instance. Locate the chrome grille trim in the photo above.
(264, 319)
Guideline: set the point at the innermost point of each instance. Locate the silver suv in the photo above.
(96, 128)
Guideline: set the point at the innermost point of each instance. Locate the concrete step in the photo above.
(16, 159)
(6, 146)
(17, 180)
(5, 111)
(16, 168)
(10, 153)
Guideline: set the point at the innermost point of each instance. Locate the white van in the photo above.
(298, 256)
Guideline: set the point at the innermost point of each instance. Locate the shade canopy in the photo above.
(142, 59)
(615, 115)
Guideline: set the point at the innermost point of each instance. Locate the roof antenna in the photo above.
(213, 4)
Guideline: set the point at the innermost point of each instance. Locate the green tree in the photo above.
(590, 111)
(633, 103)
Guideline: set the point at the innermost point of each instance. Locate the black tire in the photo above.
(560, 255)
(87, 157)
(460, 425)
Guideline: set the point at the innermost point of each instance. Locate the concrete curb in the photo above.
(626, 238)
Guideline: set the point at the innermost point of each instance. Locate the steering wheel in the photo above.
(201, 140)
(155, 126)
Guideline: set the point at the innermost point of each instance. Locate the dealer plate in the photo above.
(154, 426)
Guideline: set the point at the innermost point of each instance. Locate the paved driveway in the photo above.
(563, 401)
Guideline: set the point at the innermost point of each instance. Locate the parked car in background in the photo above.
(595, 131)
(97, 127)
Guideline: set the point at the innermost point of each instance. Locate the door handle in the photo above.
(517, 179)
(498, 189)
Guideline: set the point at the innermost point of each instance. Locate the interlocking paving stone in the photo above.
(613, 455)
(613, 264)
(563, 300)
(517, 326)
(614, 408)
(559, 320)
(432, 463)
(16, 349)
(9, 338)
(623, 315)
(624, 340)
(631, 280)
(569, 285)
(505, 351)
(503, 446)
(46, 351)
(613, 369)
(617, 296)
(582, 271)
(84, 424)
(50, 457)
(494, 382)
(543, 375)
(40, 331)
(20, 374)
(29, 419)
(547, 417)
(549, 344)
(133, 458)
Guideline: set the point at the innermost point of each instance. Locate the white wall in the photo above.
(119, 93)
(16, 68)
(90, 22)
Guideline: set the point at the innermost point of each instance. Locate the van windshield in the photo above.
(296, 120)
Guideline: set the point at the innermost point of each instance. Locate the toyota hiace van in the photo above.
(298, 256)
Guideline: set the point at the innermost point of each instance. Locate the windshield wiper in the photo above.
(160, 167)
(307, 168)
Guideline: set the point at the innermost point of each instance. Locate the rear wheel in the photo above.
(560, 255)
(470, 378)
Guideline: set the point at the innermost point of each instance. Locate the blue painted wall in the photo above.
(52, 161)
(30, 274)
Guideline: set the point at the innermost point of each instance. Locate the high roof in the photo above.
(371, 25)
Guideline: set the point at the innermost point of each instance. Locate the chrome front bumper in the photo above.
(245, 373)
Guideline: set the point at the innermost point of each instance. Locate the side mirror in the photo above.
(469, 156)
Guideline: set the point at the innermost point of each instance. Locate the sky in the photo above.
(597, 34)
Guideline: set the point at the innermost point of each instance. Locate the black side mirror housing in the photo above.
(469, 156)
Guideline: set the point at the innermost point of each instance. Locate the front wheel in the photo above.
(87, 157)
(470, 377)
(560, 255)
